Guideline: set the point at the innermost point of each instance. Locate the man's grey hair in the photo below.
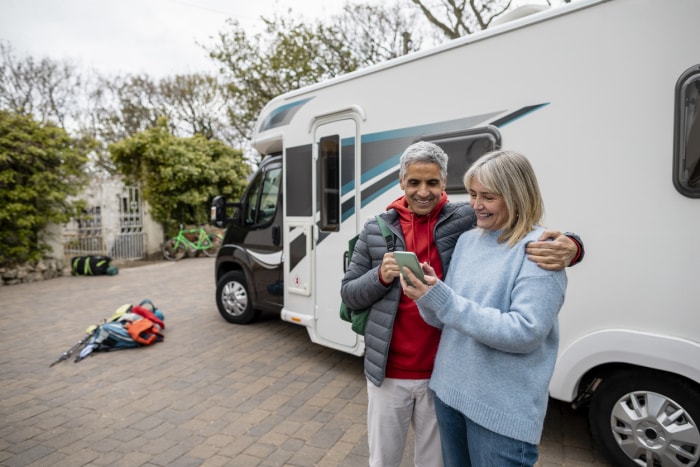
(423, 152)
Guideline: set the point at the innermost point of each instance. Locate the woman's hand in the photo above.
(419, 288)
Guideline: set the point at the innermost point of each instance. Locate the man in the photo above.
(400, 347)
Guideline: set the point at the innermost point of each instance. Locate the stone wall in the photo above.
(32, 272)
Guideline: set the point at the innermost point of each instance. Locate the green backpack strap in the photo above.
(386, 233)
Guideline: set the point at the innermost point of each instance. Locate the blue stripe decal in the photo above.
(430, 128)
(399, 138)
(517, 115)
(348, 213)
(380, 168)
(350, 186)
(282, 115)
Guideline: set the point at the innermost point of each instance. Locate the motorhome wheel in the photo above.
(647, 418)
(233, 298)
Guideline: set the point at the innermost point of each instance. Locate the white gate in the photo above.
(129, 242)
(84, 235)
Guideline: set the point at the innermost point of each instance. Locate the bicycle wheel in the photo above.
(173, 251)
(211, 245)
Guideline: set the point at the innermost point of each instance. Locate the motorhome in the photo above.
(603, 98)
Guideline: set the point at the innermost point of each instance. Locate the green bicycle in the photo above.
(193, 241)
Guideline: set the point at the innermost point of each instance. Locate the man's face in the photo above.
(422, 186)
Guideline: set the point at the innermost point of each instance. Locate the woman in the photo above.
(498, 315)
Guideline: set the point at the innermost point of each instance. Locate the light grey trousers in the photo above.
(391, 409)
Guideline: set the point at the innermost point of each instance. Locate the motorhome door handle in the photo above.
(275, 234)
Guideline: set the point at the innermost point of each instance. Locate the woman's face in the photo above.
(490, 208)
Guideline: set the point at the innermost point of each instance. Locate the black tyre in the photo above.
(233, 299)
(172, 252)
(647, 418)
(212, 245)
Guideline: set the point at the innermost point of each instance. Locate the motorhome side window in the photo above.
(462, 150)
(261, 202)
(686, 163)
(329, 159)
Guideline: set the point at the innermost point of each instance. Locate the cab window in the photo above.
(261, 202)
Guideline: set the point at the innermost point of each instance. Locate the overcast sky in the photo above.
(157, 37)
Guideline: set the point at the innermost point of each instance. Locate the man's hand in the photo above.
(552, 255)
(389, 269)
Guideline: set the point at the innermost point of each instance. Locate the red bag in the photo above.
(148, 314)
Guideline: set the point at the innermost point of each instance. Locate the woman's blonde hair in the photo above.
(510, 175)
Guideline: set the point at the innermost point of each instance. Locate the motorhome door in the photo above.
(337, 199)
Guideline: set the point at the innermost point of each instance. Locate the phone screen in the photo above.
(409, 259)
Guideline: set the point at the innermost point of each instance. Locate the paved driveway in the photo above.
(210, 394)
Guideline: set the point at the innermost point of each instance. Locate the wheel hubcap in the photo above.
(234, 298)
(653, 430)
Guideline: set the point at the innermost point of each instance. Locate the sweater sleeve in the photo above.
(535, 303)
(428, 312)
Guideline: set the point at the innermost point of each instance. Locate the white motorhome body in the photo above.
(601, 96)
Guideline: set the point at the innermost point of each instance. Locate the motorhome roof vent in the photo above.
(520, 12)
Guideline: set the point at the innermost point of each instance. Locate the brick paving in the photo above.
(211, 394)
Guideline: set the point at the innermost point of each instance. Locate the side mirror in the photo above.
(218, 215)
(218, 211)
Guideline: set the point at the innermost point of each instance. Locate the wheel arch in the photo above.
(600, 353)
(234, 259)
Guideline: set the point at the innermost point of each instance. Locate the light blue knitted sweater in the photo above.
(499, 345)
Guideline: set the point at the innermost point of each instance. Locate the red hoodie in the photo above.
(414, 343)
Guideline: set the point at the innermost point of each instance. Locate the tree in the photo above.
(462, 17)
(41, 168)
(47, 90)
(193, 104)
(123, 106)
(288, 55)
(197, 105)
(457, 18)
(376, 33)
(179, 176)
(53, 92)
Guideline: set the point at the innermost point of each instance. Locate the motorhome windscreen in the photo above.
(462, 150)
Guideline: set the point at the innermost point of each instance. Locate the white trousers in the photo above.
(390, 410)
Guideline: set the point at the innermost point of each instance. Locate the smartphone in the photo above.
(409, 259)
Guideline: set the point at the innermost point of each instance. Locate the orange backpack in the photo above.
(144, 331)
